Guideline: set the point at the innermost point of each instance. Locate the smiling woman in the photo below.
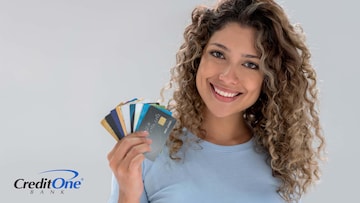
(245, 100)
(229, 82)
(228, 78)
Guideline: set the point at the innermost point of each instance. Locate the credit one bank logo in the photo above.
(56, 181)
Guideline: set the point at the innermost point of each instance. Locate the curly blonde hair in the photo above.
(285, 119)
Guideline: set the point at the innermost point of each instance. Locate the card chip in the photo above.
(162, 121)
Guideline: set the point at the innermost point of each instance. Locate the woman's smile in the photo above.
(223, 94)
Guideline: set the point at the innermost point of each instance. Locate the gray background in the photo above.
(65, 64)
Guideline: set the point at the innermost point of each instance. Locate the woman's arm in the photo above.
(125, 160)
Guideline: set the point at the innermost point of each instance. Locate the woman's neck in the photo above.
(228, 131)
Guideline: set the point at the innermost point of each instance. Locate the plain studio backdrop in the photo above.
(65, 64)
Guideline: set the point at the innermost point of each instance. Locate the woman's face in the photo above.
(229, 79)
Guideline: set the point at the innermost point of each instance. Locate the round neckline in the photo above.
(224, 148)
(227, 148)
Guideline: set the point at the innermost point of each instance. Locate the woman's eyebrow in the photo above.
(227, 49)
(250, 56)
(220, 46)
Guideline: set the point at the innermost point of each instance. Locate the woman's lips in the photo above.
(224, 93)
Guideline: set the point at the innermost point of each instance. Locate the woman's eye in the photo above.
(217, 54)
(251, 65)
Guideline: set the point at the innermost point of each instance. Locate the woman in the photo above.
(245, 100)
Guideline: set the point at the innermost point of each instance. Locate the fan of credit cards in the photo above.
(138, 115)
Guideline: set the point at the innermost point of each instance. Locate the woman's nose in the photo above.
(229, 75)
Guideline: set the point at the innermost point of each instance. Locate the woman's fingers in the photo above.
(134, 157)
(127, 142)
(128, 152)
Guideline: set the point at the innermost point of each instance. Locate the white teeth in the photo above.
(225, 94)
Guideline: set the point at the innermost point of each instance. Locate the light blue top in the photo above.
(208, 173)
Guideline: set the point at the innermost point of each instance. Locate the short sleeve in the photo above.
(114, 194)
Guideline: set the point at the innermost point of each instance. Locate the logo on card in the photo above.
(57, 181)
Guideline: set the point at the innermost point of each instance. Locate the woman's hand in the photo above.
(125, 160)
